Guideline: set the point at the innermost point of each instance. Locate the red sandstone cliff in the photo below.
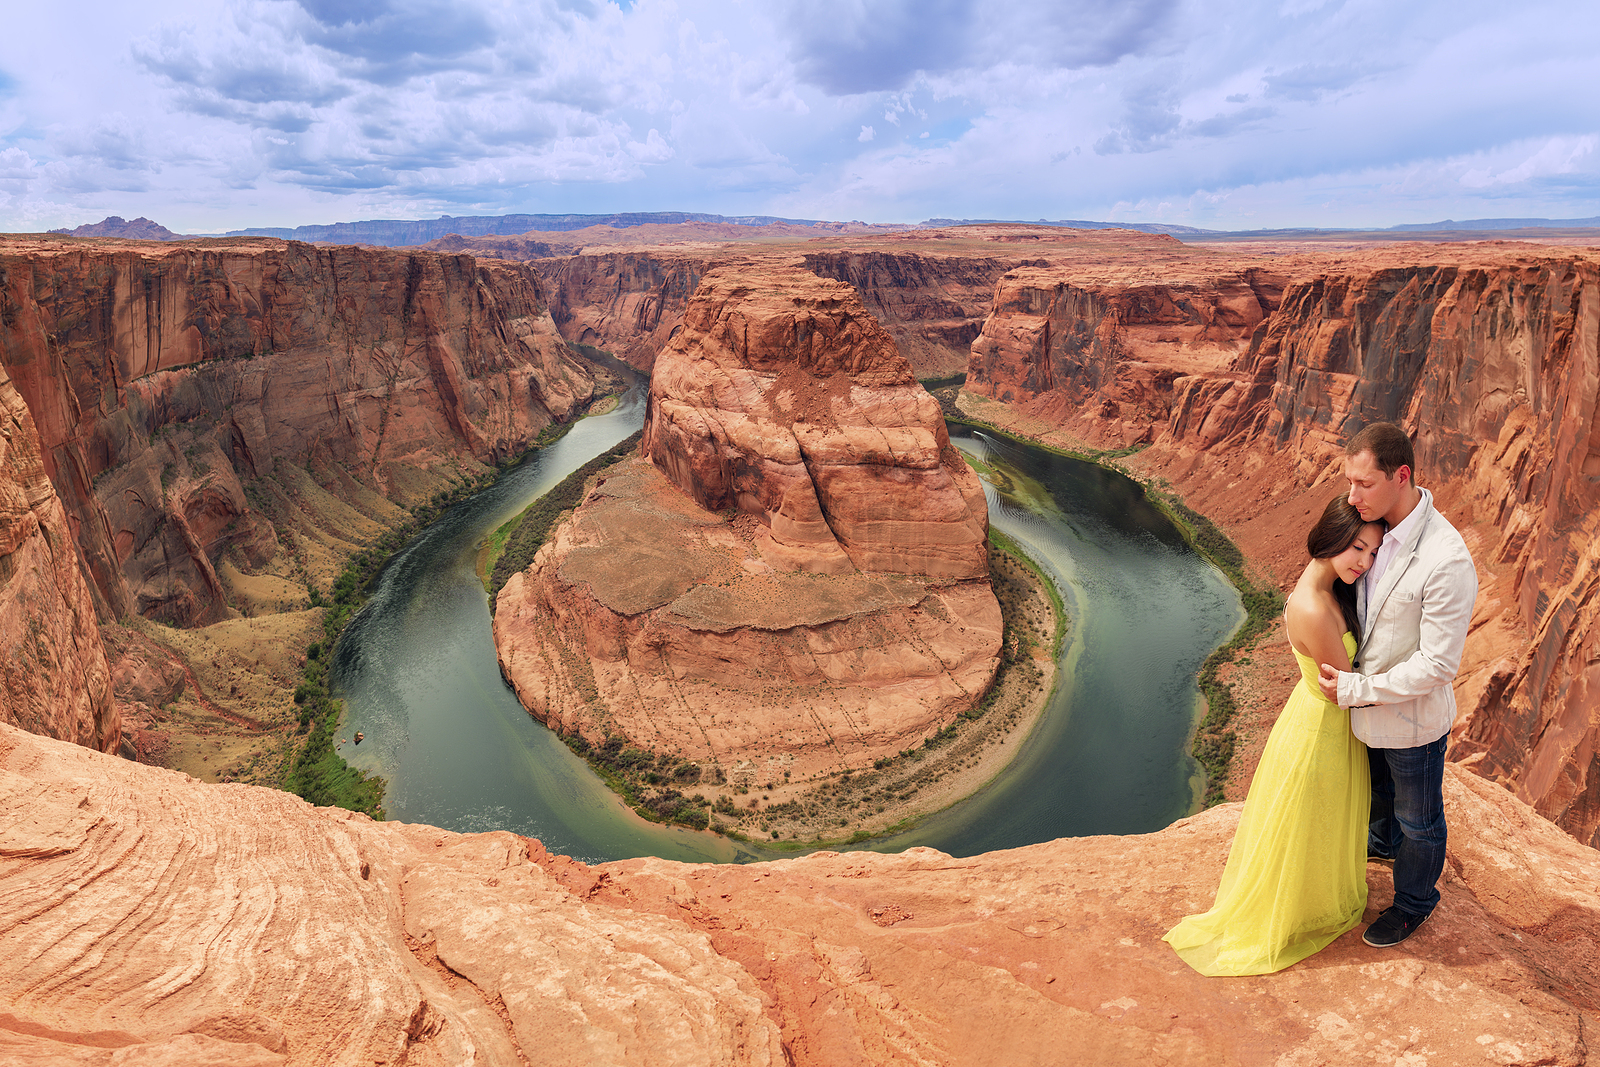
(166, 381)
(932, 305)
(1487, 354)
(799, 583)
(57, 680)
(1101, 343)
(146, 918)
(628, 303)
(782, 399)
(929, 289)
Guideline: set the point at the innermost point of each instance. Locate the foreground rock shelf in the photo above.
(148, 918)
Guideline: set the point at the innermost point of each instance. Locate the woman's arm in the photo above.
(1316, 631)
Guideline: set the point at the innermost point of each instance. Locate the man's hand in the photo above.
(1328, 681)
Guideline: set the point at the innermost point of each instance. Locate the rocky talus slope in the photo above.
(796, 582)
(147, 918)
(1486, 353)
(166, 382)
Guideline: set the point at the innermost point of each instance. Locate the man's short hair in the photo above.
(1389, 445)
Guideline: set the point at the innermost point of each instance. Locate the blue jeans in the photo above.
(1407, 820)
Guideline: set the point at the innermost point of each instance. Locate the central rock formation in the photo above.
(798, 583)
(783, 399)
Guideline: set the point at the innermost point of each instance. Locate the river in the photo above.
(418, 672)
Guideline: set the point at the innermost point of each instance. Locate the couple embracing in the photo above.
(1353, 770)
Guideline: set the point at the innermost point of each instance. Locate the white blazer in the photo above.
(1415, 629)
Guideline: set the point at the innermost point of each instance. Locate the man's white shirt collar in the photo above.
(1389, 547)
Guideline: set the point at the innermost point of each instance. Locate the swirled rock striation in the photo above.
(147, 918)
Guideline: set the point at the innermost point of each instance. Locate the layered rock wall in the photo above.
(933, 306)
(628, 303)
(1487, 355)
(631, 303)
(782, 399)
(57, 679)
(164, 381)
(1104, 353)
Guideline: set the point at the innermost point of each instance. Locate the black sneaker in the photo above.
(1391, 928)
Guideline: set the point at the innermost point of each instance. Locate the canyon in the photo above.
(1232, 372)
(930, 289)
(215, 425)
(1243, 384)
(203, 433)
(792, 579)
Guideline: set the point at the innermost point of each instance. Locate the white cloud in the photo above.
(1558, 155)
(1255, 112)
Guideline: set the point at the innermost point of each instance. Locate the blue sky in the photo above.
(1227, 114)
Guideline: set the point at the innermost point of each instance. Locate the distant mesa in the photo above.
(402, 232)
(140, 229)
(421, 231)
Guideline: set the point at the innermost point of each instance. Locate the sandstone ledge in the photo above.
(148, 918)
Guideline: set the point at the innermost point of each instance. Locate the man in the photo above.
(1415, 603)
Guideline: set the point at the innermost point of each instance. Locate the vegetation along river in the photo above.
(418, 671)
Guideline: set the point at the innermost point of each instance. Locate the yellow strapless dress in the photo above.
(1297, 873)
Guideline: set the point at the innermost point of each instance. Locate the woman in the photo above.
(1296, 876)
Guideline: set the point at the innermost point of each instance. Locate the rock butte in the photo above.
(146, 918)
(846, 614)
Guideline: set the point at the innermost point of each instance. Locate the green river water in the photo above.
(417, 669)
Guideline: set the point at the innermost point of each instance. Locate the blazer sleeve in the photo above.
(1448, 594)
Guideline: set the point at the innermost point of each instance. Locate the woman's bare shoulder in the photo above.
(1308, 614)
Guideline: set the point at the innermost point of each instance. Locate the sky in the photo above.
(1223, 114)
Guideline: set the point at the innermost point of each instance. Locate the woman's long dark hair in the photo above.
(1336, 531)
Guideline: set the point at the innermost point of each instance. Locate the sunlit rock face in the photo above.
(628, 303)
(167, 379)
(649, 618)
(793, 579)
(1486, 354)
(57, 680)
(784, 399)
(200, 924)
